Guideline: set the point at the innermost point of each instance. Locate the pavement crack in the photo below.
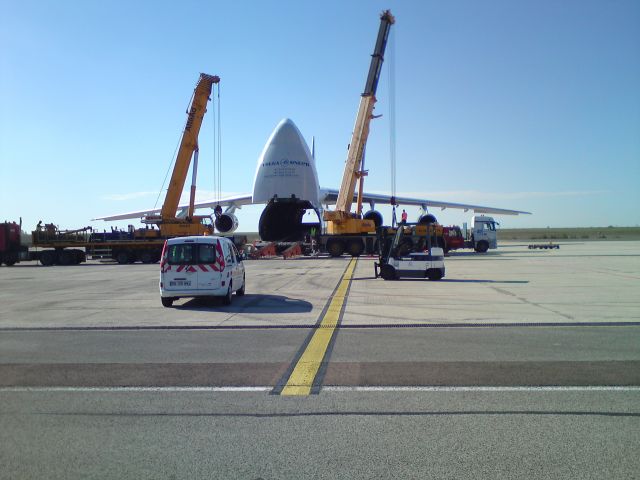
(534, 304)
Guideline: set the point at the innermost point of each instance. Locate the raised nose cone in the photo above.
(285, 167)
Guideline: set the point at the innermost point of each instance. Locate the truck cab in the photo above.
(483, 233)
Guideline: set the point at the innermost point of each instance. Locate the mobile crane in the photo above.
(340, 222)
(69, 247)
(168, 223)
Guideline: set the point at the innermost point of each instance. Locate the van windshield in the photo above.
(191, 253)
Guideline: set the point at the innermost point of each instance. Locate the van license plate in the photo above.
(180, 284)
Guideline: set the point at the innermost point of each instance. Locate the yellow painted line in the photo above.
(301, 379)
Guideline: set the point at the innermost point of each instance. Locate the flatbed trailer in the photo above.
(53, 247)
(73, 253)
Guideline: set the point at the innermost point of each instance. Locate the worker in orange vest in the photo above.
(404, 216)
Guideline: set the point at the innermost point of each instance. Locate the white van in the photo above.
(200, 267)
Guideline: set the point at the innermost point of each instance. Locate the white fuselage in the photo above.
(286, 169)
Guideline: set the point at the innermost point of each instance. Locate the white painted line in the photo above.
(611, 388)
(135, 389)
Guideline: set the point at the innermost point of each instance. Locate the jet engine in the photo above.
(375, 216)
(226, 223)
(427, 219)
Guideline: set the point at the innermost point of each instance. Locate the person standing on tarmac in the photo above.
(404, 216)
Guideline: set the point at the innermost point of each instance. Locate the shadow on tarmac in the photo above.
(470, 280)
(90, 263)
(249, 303)
(447, 280)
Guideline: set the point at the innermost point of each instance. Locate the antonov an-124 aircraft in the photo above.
(286, 180)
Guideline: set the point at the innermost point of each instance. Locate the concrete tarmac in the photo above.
(79, 345)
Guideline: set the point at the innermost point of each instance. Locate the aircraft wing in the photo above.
(330, 197)
(236, 200)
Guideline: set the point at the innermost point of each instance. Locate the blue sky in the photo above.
(526, 105)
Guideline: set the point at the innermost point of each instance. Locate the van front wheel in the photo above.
(227, 298)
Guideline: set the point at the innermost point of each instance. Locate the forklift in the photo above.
(407, 252)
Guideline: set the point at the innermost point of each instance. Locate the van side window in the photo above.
(206, 253)
(227, 254)
(180, 254)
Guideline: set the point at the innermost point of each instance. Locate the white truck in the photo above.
(481, 237)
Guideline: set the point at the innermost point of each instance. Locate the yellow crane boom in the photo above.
(341, 220)
(169, 224)
(188, 145)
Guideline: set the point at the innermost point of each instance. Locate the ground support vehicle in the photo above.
(407, 252)
(54, 247)
(544, 246)
(51, 246)
(10, 246)
(200, 266)
(481, 237)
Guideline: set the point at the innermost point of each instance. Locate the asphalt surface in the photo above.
(519, 363)
(546, 435)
